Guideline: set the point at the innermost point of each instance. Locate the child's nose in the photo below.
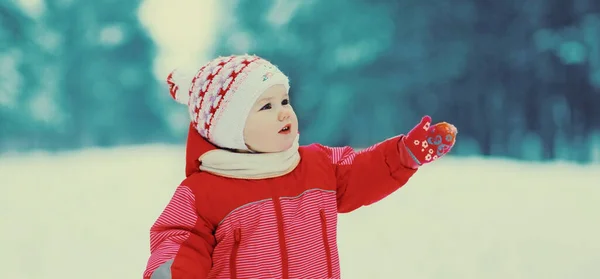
(284, 114)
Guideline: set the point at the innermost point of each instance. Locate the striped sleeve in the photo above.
(367, 176)
(181, 242)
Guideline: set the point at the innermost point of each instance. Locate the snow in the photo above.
(87, 214)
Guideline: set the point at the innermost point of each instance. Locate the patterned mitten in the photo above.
(426, 143)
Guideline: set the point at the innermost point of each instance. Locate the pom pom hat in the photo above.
(219, 97)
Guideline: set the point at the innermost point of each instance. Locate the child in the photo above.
(255, 204)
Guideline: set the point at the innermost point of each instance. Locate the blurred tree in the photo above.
(86, 79)
(105, 60)
(366, 70)
(519, 79)
(14, 45)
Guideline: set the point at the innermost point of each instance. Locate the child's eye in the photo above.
(285, 102)
(267, 106)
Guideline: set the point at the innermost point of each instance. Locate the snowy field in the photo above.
(87, 215)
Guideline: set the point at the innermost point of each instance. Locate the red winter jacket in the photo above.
(283, 227)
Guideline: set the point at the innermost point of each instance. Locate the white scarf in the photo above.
(250, 165)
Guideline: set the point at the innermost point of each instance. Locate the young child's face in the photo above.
(272, 125)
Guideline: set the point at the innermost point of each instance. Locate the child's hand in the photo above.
(427, 143)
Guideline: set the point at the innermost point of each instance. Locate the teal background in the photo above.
(519, 79)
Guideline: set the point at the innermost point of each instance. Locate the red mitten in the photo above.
(426, 143)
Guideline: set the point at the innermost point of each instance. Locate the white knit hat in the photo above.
(221, 94)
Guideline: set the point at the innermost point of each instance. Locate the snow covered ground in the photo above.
(87, 214)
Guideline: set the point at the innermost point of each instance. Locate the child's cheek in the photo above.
(253, 125)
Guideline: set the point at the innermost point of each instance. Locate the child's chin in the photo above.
(276, 147)
(283, 147)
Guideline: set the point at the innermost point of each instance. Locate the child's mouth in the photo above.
(286, 129)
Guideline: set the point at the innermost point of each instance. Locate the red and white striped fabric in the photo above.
(256, 248)
(283, 227)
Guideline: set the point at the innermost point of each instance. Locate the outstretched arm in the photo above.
(372, 174)
(369, 175)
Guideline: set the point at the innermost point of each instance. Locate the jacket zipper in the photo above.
(237, 238)
(282, 246)
(326, 243)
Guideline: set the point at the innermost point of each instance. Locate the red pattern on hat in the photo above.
(222, 93)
